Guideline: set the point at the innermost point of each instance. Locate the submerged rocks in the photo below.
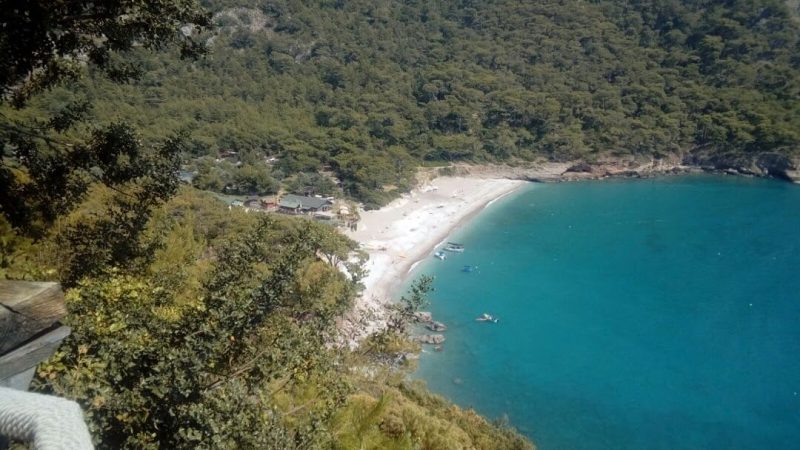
(410, 356)
(766, 164)
(436, 326)
(426, 318)
(423, 316)
(778, 166)
(432, 339)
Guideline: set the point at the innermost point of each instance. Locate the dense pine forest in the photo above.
(372, 90)
(197, 326)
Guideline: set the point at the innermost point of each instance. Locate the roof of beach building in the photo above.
(294, 201)
(289, 203)
(186, 176)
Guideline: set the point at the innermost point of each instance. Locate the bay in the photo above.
(660, 313)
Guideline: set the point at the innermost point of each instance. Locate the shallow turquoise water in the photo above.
(658, 314)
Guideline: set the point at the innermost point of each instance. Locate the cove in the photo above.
(659, 313)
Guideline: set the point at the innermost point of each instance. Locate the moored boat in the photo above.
(454, 247)
(487, 318)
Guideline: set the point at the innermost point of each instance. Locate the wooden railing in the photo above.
(30, 331)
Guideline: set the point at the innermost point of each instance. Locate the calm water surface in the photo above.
(658, 314)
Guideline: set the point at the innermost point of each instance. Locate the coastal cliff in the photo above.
(769, 165)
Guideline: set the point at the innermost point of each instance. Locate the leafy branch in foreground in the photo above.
(394, 338)
(43, 43)
(155, 368)
(49, 161)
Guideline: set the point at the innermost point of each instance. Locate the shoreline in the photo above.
(554, 172)
(403, 233)
(388, 234)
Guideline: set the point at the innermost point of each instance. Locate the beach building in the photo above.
(184, 176)
(269, 203)
(252, 203)
(347, 217)
(298, 204)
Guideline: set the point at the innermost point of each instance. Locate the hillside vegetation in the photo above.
(194, 325)
(372, 90)
(213, 332)
(200, 326)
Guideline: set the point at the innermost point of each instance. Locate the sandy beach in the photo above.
(405, 232)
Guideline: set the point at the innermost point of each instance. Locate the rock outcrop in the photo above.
(768, 164)
(432, 339)
(423, 316)
(436, 326)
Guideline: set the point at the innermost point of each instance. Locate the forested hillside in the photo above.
(374, 89)
(194, 325)
(197, 326)
(214, 333)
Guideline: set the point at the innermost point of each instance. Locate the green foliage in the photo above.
(370, 92)
(241, 179)
(195, 326)
(249, 179)
(305, 183)
(394, 338)
(406, 416)
(186, 352)
(218, 338)
(42, 42)
(50, 159)
(416, 299)
(16, 257)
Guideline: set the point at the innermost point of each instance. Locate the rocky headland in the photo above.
(772, 165)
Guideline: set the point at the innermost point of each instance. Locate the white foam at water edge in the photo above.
(410, 269)
(491, 202)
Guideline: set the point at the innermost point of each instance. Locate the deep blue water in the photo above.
(646, 314)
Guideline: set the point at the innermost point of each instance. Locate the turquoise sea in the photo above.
(634, 314)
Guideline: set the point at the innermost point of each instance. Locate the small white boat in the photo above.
(487, 318)
(440, 254)
(454, 247)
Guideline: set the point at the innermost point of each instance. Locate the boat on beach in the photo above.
(454, 247)
(487, 318)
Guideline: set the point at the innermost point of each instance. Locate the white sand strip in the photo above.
(406, 230)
